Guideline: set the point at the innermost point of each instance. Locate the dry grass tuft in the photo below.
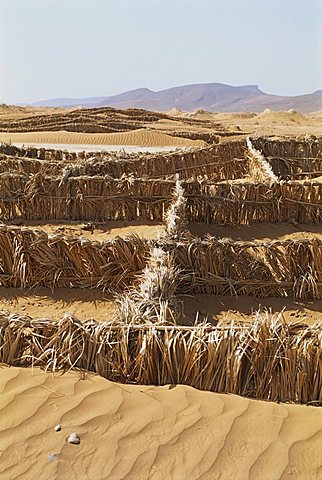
(176, 216)
(153, 300)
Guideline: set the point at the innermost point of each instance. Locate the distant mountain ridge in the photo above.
(214, 97)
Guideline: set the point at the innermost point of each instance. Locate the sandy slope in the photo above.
(135, 432)
(141, 137)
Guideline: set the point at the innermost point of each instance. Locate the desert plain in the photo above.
(162, 302)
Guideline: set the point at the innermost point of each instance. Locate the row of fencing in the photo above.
(309, 147)
(31, 258)
(105, 199)
(220, 161)
(267, 360)
(293, 148)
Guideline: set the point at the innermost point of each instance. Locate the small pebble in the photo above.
(52, 457)
(74, 439)
(58, 428)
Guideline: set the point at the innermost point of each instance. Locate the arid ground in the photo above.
(220, 233)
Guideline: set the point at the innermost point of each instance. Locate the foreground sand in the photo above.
(135, 432)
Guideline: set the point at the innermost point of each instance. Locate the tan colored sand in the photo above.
(228, 309)
(260, 231)
(146, 432)
(44, 303)
(13, 112)
(86, 304)
(247, 123)
(96, 231)
(141, 137)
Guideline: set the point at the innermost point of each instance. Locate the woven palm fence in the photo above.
(31, 257)
(290, 168)
(288, 268)
(100, 198)
(260, 170)
(83, 198)
(265, 269)
(217, 162)
(233, 203)
(28, 166)
(292, 148)
(267, 360)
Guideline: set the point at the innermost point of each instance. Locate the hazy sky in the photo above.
(79, 48)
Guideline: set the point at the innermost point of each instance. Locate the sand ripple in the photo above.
(141, 137)
(135, 432)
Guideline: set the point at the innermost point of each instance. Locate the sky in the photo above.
(84, 48)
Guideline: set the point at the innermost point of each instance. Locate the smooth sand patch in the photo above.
(42, 302)
(95, 231)
(261, 232)
(141, 137)
(146, 432)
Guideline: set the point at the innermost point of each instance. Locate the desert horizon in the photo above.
(160, 240)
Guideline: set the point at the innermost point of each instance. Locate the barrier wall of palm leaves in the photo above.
(30, 258)
(146, 342)
(267, 360)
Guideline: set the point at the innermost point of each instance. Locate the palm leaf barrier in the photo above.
(260, 170)
(289, 159)
(268, 359)
(230, 203)
(104, 119)
(218, 162)
(299, 168)
(309, 147)
(265, 269)
(83, 198)
(31, 257)
(97, 198)
(279, 268)
(30, 166)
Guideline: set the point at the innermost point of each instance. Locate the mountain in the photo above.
(214, 97)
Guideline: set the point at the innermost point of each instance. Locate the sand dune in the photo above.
(175, 112)
(141, 137)
(136, 432)
(270, 117)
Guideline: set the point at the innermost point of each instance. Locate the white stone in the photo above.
(52, 457)
(74, 439)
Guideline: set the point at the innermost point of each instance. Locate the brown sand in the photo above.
(85, 304)
(220, 308)
(96, 231)
(141, 137)
(13, 112)
(137, 432)
(143, 432)
(261, 231)
(274, 123)
(45, 303)
(153, 229)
